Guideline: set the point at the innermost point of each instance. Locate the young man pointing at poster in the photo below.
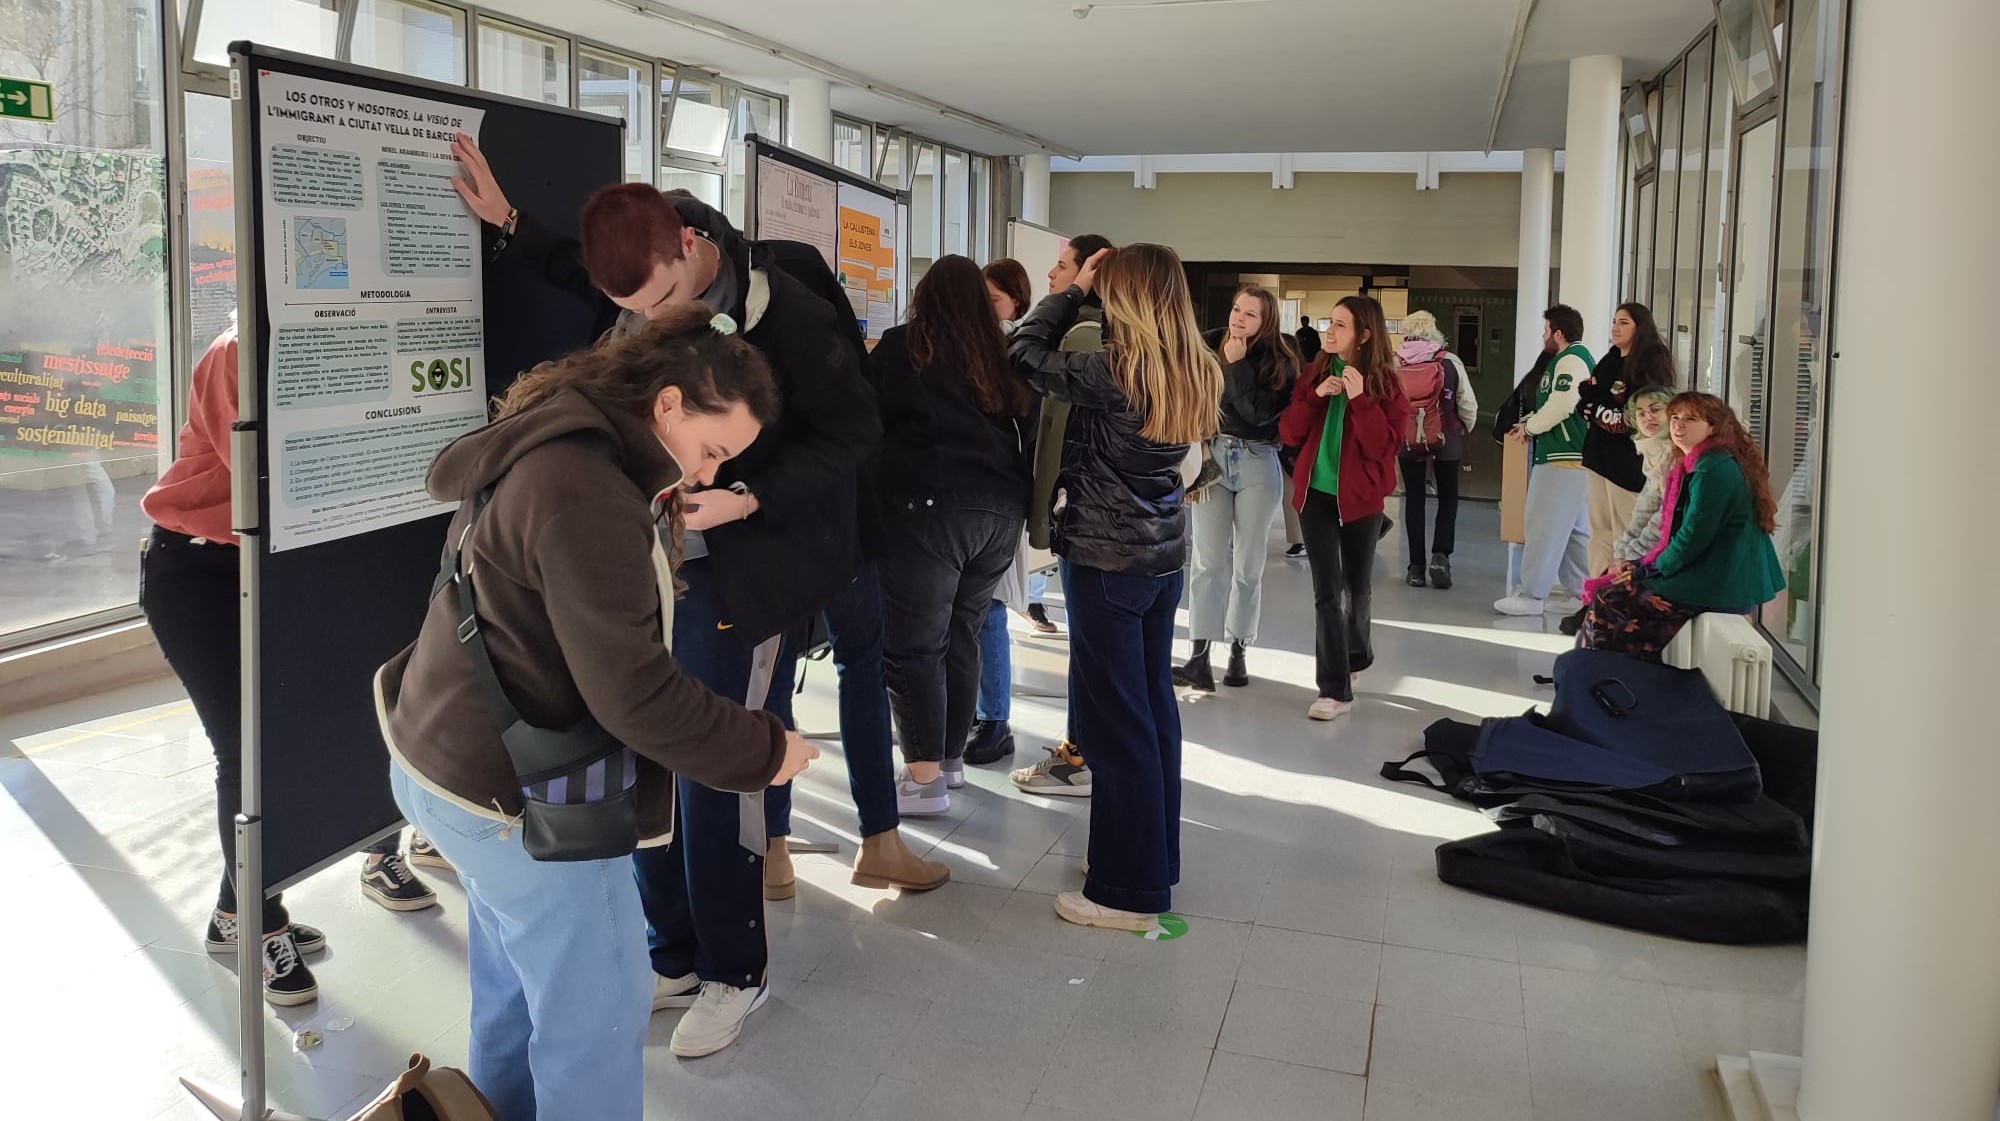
(771, 544)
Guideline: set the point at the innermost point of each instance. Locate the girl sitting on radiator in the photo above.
(1714, 553)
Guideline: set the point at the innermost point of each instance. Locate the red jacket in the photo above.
(1369, 441)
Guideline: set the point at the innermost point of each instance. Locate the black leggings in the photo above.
(1343, 563)
(1414, 471)
(189, 595)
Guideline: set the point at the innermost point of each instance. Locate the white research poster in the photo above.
(372, 288)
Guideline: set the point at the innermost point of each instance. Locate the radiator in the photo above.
(1732, 655)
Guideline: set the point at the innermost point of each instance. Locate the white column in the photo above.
(809, 118)
(1903, 979)
(1590, 194)
(1035, 188)
(1531, 290)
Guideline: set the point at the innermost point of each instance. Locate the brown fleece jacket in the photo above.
(570, 601)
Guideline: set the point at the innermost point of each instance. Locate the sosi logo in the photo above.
(439, 374)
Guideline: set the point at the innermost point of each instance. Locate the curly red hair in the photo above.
(1727, 434)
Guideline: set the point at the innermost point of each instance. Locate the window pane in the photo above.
(982, 209)
(620, 87)
(1687, 255)
(211, 215)
(1749, 331)
(1714, 335)
(83, 337)
(891, 147)
(851, 149)
(1642, 247)
(957, 186)
(522, 63)
(1746, 45)
(307, 26)
(699, 126)
(409, 37)
(704, 185)
(760, 114)
(1798, 355)
(1665, 228)
(923, 211)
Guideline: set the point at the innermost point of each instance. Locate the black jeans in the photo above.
(1343, 562)
(1413, 506)
(189, 595)
(939, 565)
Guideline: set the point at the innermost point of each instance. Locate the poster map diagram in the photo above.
(321, 251)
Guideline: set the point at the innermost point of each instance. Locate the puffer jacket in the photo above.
(1119, 504)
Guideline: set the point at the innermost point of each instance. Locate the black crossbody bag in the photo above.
(578, 796)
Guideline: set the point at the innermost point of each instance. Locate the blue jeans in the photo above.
(561, 991)
(704, 893)
(1232, 540)
(1122, 706)
(996, 667)
(854, 626)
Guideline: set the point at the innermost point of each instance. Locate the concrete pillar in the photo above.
(1902, 982)
(1035, 188)
(1590, 195)
(1531, 299)
(809, 118)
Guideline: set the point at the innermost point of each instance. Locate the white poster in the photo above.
(372, 288)
(797, 205)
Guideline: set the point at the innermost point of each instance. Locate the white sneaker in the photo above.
(1522, 606)
(1071, 906)
(716, 1018)
(1564, 605)
(923, 799)
(675, 992)
(1326, 708)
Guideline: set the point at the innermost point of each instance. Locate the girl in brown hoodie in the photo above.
(575, 603)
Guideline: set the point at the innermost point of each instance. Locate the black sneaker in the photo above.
(390, 882)
(1296, 552)
(287, 981)
(1039, 615)
(1416, 578)
(1196, 675)
(1238, 674)
(990, 742)
(1440, 570)
(221, 936)
(423, 854)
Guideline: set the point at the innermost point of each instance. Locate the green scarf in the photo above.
(1326, 468)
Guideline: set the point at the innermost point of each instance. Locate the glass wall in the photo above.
(85, 336)
(306, 26)
(523, 63)
(1746, 262)
(853, 149)
(616, 86)
(410, 37)
(957, 202)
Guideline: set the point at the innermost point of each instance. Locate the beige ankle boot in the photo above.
(885, 861)
(780, 882)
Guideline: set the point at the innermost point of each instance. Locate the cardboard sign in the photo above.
(1514, 491)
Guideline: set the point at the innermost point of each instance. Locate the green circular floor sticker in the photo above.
(1165, 929)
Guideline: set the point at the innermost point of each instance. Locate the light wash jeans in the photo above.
(562, 988)
(1232, 540)
(1558, 525)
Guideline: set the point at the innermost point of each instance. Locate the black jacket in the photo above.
(783, 563)
(1607, 442)
(1119, 503)
(1521, 402)
(937, 446)
(1309, 344)
(1250, 408)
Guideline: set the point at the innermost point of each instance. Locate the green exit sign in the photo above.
(20, 97)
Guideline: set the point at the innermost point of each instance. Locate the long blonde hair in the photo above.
(1157, 355)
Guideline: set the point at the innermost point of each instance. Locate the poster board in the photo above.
(853, 221)
(345, 224)
(1514, 491)
(1036, 247)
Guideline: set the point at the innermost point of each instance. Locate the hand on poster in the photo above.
(477, 186)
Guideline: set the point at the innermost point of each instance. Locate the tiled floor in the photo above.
(1326, 973)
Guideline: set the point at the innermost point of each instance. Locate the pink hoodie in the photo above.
(192, 497)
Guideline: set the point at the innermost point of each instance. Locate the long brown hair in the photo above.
(1278, 354)
(1011, 277)
(627, 373)
(1371, 355)
(1727, 434)
(952, 328)
(1157, 354)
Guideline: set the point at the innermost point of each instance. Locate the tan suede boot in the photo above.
(780, 882)
(885, 861)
